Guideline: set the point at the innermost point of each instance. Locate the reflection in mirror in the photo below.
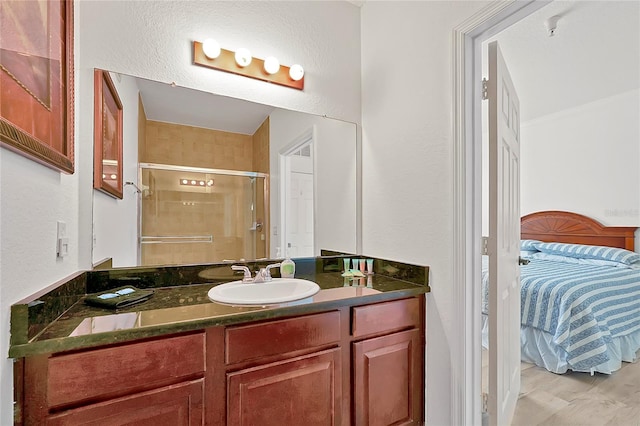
(197, 215)
(107, 136)
(224, 179)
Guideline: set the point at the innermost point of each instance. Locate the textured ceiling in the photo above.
(594, 54)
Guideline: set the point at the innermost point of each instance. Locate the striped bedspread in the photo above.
(582, 306)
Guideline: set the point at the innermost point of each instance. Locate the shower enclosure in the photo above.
(191, 215)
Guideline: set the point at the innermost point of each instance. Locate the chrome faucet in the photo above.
(247, 273)
(262, 276)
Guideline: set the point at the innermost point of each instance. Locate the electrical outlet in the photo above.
(62, 242)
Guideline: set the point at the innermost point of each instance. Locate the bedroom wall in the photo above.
(152, 40)
(570, 126)
(585, 160)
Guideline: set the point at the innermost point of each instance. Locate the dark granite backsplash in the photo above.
(169, 276)
(45, 307)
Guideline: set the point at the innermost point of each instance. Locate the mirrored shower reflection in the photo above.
(194, 216)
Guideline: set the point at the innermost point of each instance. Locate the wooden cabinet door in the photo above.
(305, 390)
(176, 405)
(388, 383)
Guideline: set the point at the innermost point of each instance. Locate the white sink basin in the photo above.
(278, 290)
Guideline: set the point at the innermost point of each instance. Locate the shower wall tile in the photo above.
(168, 143)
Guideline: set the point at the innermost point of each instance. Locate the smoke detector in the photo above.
(551, 24)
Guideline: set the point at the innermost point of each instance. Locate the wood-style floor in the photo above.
(577, 399)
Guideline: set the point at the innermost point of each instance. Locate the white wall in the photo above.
(152, 39)
(115, 221)
(334, 176)
(33, 198)
(585, 160)
(407, 166)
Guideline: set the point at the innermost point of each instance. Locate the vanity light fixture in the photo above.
(211, 48)
(271, 65)
(296, 72)
(243, 57)
(209, 54)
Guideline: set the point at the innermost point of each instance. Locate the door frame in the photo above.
(308, 137)
(466, 346)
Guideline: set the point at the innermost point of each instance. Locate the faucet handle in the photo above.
(267, 270)
(247, 273)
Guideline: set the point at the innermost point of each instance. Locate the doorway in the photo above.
(466, 349)
(297, 196)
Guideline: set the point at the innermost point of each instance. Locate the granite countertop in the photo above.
(59, 320)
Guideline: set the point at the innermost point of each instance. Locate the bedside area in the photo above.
(353, 353)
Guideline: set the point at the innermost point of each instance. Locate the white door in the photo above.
(300, 215)
(297, 178)
(504, 241)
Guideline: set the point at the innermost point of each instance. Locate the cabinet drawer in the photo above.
(282, 336)
(175, 405)
(385, 317)
(118, 370)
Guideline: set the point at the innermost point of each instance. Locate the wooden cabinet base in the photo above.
(352, 365)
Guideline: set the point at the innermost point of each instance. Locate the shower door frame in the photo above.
(176, 168)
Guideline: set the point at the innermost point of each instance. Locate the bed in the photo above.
(580, 294)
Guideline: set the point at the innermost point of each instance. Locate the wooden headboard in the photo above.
(566, 227)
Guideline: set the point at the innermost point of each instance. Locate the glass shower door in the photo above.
(194, 216)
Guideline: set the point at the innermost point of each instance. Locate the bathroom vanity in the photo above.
(351, 354)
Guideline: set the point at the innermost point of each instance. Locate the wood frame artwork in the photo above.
(36, 81)
(107, 135)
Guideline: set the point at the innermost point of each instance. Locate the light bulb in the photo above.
(184, 181)
(271, 65)
(211, 48)
(243, 57)
(193, 182)
(113, 176)
(296, 72)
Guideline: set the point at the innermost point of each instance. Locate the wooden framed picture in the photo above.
(36, 81)
(107, 136)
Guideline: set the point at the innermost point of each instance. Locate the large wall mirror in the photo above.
(211, 178)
